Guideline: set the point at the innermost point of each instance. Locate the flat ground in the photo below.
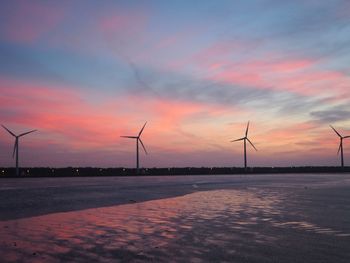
(248, 218)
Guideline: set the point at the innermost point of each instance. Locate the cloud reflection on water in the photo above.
(212, 225)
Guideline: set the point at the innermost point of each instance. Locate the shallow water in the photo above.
(27, 197)
(301, 220)
(248, 224)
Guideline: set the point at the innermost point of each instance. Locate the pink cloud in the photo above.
(30, 20)
(296, 76)
(122, 30)
(221, 52)
(71, 122)
(260, 73)
(125, 23)
(243, 63)
(282, 66)
(343, 10)
(177, 39)
(298, 140)
(117, 31)
(212, 57)
(59, 110)
(63, 115)
(169, 118)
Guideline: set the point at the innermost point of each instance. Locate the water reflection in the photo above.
(311, 227)
(224, 225)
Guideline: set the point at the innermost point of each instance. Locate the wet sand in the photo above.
(255, 218)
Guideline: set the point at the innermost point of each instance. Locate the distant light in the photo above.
(100, 169)
(52, 170)
(27, 171)
(124, 169)
(3, 171)
(77, 170)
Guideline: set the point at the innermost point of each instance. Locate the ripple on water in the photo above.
(145, 230)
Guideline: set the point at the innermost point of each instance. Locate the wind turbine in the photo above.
(138, 139)
(245, 139)
(340, 149)
(16, 145)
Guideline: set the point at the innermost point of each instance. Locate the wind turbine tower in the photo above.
(245, 139)
(16, 145)
(138, 139)
(340, 149)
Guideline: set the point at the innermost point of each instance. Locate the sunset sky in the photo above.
(86, 72)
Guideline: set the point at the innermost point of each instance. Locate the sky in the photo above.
(84, 73)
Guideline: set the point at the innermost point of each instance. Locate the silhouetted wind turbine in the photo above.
(138, 139)
(340, 149)
(245, 139)
(16, 145)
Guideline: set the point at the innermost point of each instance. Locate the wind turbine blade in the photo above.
(131, 137)
(241, 139)
(246, 131)
(335, 131)
(339, 148)
(10, 132)
(252, 144)
(142, 129)
(15, 146)
(143, 146)
(346, 137)
(26, 133)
